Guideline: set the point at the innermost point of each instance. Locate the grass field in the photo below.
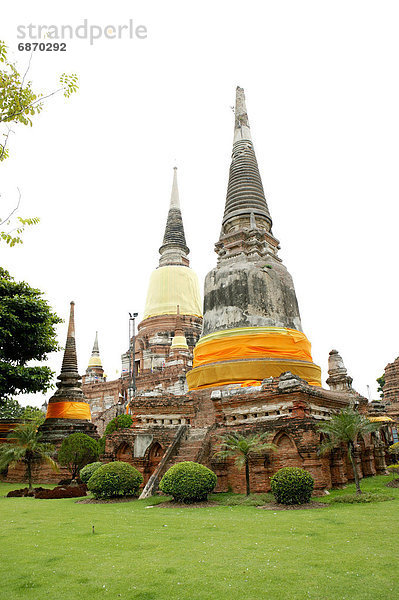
(144, 552)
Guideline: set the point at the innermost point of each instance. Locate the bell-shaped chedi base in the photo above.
(68, 410)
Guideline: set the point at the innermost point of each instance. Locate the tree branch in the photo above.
(14, 210)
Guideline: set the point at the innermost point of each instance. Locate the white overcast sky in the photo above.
(322, 87)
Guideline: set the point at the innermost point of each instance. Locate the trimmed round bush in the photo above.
(292, 485)
(115, 479)
(88, 471)
(188, 482)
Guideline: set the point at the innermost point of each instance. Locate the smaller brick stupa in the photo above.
(94, 371)
(68, 410)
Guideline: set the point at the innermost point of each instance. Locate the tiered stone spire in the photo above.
(245, 193)
(69, 378)
(252, 327)
(174, 249)
(68, 410)
(246, 225)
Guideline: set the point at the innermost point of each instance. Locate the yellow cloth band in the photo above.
(68, 410)
(252, 342)
(248, 372)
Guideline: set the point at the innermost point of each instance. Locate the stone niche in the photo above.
(141, 443)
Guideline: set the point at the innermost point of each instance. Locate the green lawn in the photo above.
(238, 552)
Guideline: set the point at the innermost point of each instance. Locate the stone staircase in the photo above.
(188, 444)
(191, 446)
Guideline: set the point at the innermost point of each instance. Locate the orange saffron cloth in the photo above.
(281, 343)
(68, 410)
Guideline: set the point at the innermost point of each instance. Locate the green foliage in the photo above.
(18, 101)
(394, 470)
(25, 445)
(27, 332)
(242, 447)
(11, 409)
(120, 422)
(364, 498)
(101, 444)
(76, 451)
(344, 428)
(32, 413)
(115, 479)
(381, 383)
(9, 237)
(188, 482)
(69, 83)
(292, 485)
(88, 471)
(394, 448)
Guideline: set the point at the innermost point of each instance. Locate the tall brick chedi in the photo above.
(68, 410)
(252, 326)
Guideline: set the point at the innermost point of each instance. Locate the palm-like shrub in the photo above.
(188, 482)
(115, 479)
(88, 471)
(344, 428)
(242, 447)
(25, 445)
(291, 485)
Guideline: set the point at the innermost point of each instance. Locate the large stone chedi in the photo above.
(68, 410)
(252, 327)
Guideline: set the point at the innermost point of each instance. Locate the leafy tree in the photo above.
(25, 445)
(27, 332)
(120, 422)
(32, 413)
(76, 451)
(19, 103)
(344, 428)
(381, 383)
(242, 447)
(11, 409)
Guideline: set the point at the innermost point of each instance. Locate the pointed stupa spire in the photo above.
(94, 371)
(174, 197)
(174, 249)
(70, 360)
(95, 360)
(245, 194)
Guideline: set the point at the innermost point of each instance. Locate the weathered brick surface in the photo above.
(289, 414)
(391, 388)
(290, 417)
